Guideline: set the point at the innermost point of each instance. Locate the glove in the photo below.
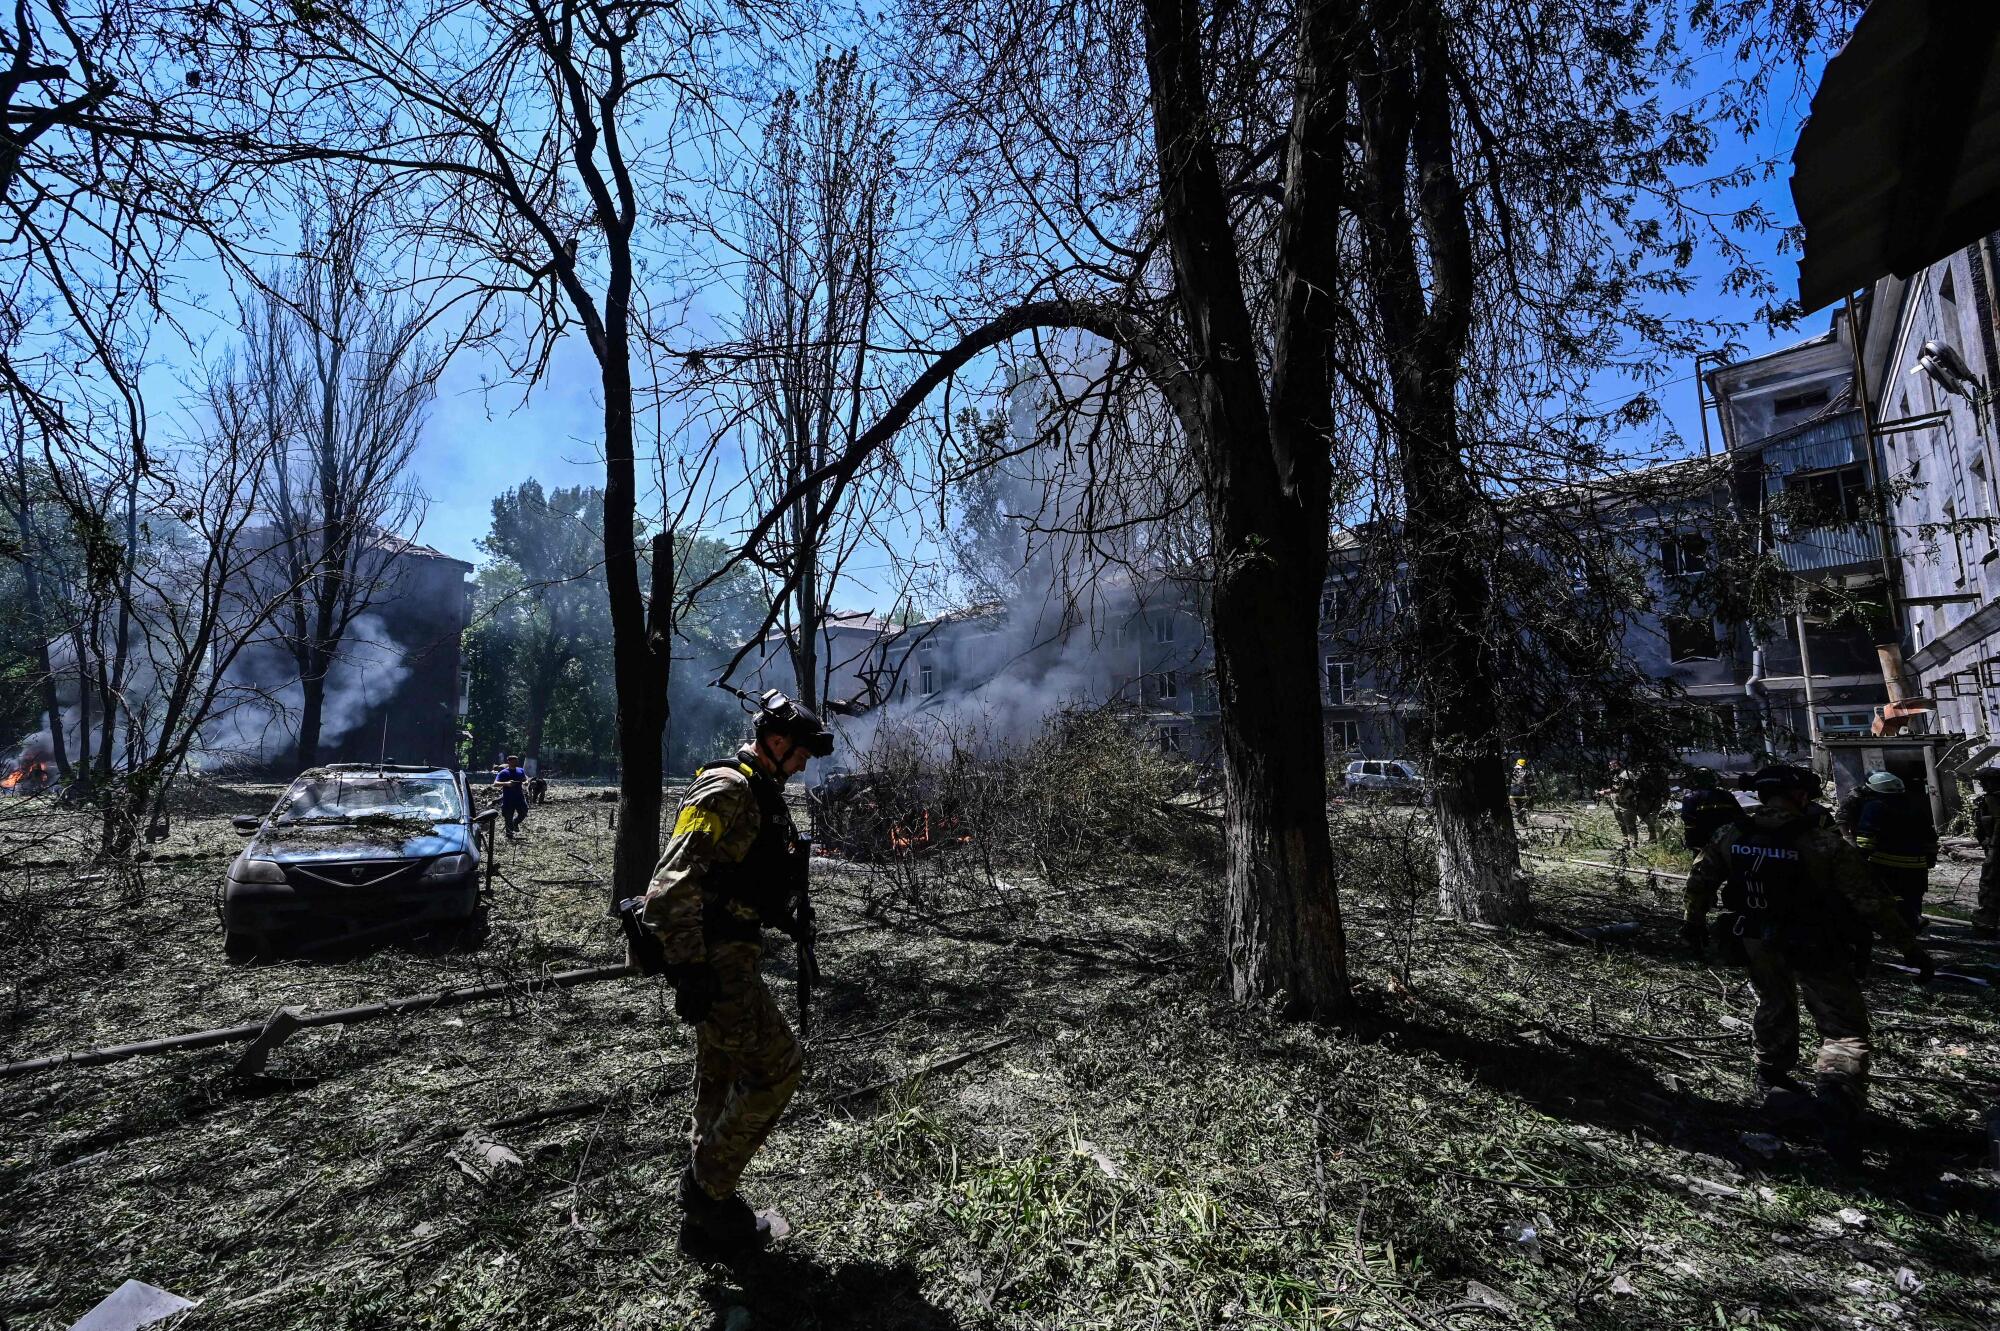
(1695, 934)
(1925, 963)
(694, 992)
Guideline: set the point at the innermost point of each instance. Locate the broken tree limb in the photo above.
(391, 1007)
(276, 1031)
(929, 1070)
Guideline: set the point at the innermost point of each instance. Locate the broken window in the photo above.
(927, 680)
(1172, 739)
(1833, 495)
(1800, 401)
(1339, 681)
(1169, 685)
(1343, 736)
(1684, 554)
(1163, 628)
(1690, 638)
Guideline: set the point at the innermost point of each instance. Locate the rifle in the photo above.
(805, 931)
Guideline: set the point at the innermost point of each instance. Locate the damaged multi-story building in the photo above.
(397, 686)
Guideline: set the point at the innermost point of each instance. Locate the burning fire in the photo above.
(31, 775)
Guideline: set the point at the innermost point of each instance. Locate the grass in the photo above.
(1150, 1156)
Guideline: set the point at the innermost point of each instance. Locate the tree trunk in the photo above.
(638, 669)
(312, 709)
(1283, 931)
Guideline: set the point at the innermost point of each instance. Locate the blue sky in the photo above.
(480, 440)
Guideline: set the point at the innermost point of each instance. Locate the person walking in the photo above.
(728, 873)
(512, 781)
(1797, 900)
(1986, 826)
(1892, 828)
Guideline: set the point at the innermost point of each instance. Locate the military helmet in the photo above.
(779, 715)
(1784, 776)
(1702, 777)
(1885, 783)
(1988, 778)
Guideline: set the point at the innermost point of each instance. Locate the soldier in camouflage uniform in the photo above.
(1636, 795)
(1986, 824)
(1798, 899)
(725, 876)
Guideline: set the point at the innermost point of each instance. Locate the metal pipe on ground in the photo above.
(390, 1007)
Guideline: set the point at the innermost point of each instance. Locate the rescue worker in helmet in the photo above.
(1706, 809)
(722, 880)
(1796, 898)
(1891, 826)
(1986, 825)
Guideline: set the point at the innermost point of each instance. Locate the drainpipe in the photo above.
(1806, 673)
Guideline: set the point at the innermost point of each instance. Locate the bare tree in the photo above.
(820, 255)
(533, 153)
(341, 382)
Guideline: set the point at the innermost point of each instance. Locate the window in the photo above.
(1163, 628)
(1684, 555)
(1339, 681)
(1343, 736)
(1829, 496)
(1690, 638)
(1329, 606)
(1852, 722)
(1169, 684)
(1172, 739)
(1800, 401)
(927, 680)
(1946, 291)
(1122, 636)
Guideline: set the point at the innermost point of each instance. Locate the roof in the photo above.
(402, 546)
(1899, 164)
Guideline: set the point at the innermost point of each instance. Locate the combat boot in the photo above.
(1839, 1126)
(1780, 1098)
(729, 1223)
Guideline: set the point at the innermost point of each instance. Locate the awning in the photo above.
(1899, 164)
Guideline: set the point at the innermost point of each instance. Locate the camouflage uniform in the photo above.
(1801, 941)
(747, 1062)
(1635, 796)
(1986, 823)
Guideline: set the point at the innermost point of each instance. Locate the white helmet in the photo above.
(1885, 783)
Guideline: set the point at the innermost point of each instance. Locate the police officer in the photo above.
(1986, 824)
(1893, 830)
(1706, 809)
(1798, 899)
(725, 876)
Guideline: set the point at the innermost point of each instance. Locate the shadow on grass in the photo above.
(788, 1289)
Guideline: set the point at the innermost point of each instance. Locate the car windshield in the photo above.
(342, 798)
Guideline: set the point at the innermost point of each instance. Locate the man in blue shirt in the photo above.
(512, 780)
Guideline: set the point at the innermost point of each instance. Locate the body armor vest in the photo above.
(764, 878)
(1767, 874)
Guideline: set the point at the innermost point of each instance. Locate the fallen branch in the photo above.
(931, 1070)
(392, 1007)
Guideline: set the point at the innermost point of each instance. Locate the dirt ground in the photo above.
(1526, 1130)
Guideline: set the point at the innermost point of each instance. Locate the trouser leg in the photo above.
(755, 1048)
(1774, 1027)
(1840, 1015)
(1987, 912)
(1628, 822)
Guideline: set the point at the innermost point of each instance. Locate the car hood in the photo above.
(385, 839)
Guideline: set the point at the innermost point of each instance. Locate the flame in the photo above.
(11, 780)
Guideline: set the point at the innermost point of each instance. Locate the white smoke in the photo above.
(1069, 545)
(262, 726)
